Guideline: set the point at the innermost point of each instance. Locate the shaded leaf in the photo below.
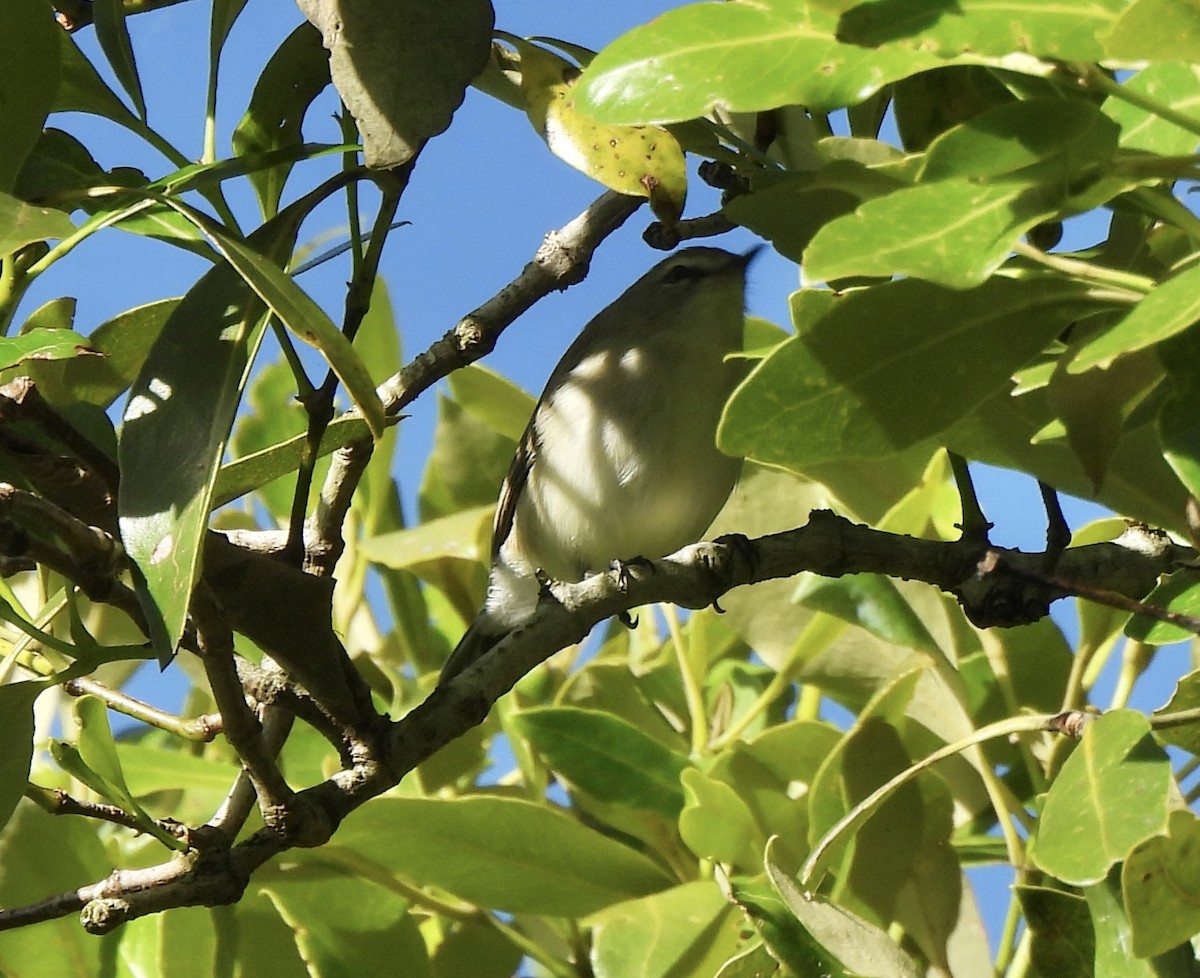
(607, 757)
(16, 748)
(83, 90)
(113, 35)
(293, 77)
(21, 224)
(29, 72)
(1160, 882)
(995, 27)
(847, 386)
(124, 341)
(501, 853)
(1062, 942)
(863, 948)
(345, 926)
(181, 407)
(402, 68)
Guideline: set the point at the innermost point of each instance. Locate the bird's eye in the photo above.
(682, 273)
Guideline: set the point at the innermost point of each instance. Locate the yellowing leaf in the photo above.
(643, 161)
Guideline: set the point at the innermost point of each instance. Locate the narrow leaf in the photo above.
(30, 62)
(294, 76)
(44, 344)
(16, 742)
(113, 35)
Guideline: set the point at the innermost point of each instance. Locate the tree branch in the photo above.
(383, 752)
(562, 260)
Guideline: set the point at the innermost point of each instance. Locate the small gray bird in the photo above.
(619, 459)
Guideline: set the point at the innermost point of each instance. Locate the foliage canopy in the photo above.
(675, 804)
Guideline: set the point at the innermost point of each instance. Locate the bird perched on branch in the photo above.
(619, 459)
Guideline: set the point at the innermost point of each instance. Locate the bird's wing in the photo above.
(514, 485)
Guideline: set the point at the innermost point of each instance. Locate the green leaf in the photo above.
(844, 388)
(224, 14)
(1114, 939)
(44, 344)
(989, 27)
(789, 208)
(870, 601)
(501, 853)
(29, 73)
(1172, 83)
(346, 927)
(493, 399)
(1178, 433)
(1169, 308)
(789, 941)
(1062, 942)
(1185, 697)
(464, 535)
(177, 943)
(181, 407)
(955, 232)
(1096, 404)
(642, 161)
(293, 77)
(21, 224)
(40, 855)
(1155, 30)
(53, 314)
(677, 933)
(1110, 795)
(402, 68)
(258, 469)
(717, 824)
(862, 947)
(83, 90)
(607, 757)
(16, 748)
(1179, 593)
(296, 310)
(123, 342)
(1071, 134)
(113, 35)
(686, 61)
(1160, 882)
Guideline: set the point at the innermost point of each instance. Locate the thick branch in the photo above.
(382, 753)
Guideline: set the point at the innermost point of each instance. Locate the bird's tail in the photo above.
(474, 644)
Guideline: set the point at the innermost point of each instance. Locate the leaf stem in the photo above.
(685, 656)
(1126, 282)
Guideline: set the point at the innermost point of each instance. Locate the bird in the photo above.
(619, 459)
